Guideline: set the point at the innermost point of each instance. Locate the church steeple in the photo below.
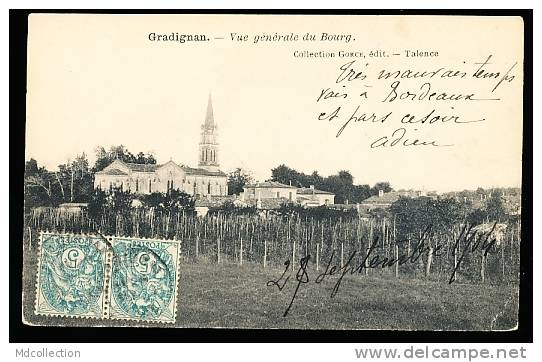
(209, 117)
(208, 146)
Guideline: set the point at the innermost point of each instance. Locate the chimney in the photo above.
(380, 193)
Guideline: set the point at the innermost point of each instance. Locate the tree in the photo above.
(384, 186)
(119, 201)
(476, 217)
(178, 200)
(346, 177)
(362, 192)
(414, 215)
(237, 179)
(495, 210)
(75, 180)
(229, 208)
(41, 187)
(285, 175)
(317, 213)
(104, 158)
(97, 205)
(341, 184)
(31, 167)
(172, 201)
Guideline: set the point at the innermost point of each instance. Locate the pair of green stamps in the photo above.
(93, 276)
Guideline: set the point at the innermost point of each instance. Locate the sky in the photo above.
(99, 81)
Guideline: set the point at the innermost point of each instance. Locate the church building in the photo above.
(206, 179)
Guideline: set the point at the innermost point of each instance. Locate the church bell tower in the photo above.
(208, 146)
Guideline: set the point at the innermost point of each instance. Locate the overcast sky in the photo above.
(98, 81)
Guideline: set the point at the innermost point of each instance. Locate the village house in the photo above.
(308, 197)
(384, 200)
(314, 197)
(269, 190)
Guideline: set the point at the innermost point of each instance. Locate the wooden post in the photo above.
(264, 254)
(317, 257)
(429, 261)
(396, 248)
(483, 267)
(197, 245)
(293, 254)
(29, 238)
(322, 239)
(241, 252)
(218, 250)
(71, 189)
(342, 254)
(370, 242)
(251, 236)
(396, 260)
(512, 249)
(455, 261)
(502, 257)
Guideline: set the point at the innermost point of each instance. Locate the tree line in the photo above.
(341, 184)
(74, 182)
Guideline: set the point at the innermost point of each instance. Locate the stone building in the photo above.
(206, 179)
(275, 190)
(269, 190)
(311, 196)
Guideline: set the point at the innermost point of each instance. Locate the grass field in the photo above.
(230, 296)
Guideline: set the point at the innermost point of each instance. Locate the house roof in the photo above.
(309, 191)
(268, 203)
(308, 200)
(269, 184)
(386, 198)
(342, 206)
(213, 201)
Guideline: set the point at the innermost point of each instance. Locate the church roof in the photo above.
(139, 167)
(113, 172)
(269, 184)
(202, 171)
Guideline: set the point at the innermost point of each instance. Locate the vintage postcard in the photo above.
(345, 172)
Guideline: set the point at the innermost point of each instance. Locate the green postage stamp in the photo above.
(89, 276)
